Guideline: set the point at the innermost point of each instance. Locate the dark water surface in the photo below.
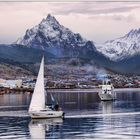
(118, 126)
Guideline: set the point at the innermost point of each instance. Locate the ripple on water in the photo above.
(86, 123)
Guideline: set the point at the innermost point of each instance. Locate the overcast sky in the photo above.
(96, 21)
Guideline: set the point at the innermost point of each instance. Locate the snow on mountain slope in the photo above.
(123, 47)
(56, 38)
(50, 33)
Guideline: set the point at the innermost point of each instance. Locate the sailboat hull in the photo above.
(46, 114)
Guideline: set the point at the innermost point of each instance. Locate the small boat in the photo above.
(107, 91)
(38, 108)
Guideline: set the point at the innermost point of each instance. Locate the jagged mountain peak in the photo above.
(50, 17)
(50, 20)
(54, 37)
(49, 27)
(133, 33)
(123, 47)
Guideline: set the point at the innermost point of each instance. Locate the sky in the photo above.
(96, 21)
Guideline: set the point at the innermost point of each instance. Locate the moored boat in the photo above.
(107, 91)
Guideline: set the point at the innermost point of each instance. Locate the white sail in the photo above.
(38, 97)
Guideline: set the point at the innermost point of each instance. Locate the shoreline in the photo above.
(126, 89)
(94, 90)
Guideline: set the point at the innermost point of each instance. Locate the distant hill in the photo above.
(22, 54)
(24, 57)
(10, 71)
(21, 57)
(130, 65)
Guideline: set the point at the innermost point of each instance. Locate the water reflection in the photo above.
(39, 127)
(109, 127)
(76, 101)
(107, 107)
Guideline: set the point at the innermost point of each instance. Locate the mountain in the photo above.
(22, 54)
(122, 48)
(10, 71)
(21, 57)
(56, 39)
(130, 65)
(70, 48)
(61, 42)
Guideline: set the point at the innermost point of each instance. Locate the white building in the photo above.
(10, 83)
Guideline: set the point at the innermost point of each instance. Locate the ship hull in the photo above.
(105, 97)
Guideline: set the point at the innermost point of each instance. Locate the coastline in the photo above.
(94, 90)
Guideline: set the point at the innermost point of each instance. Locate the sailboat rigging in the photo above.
(37, 108)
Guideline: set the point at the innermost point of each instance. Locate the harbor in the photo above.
(86, 116)
(69, 70)
(30, 90)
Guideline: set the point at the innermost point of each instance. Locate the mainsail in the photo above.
(38, 97)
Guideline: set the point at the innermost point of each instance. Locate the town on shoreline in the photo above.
(88, 83)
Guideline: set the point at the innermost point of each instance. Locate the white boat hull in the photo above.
(46, 114)
(105, 97)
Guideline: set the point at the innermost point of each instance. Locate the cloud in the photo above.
(16, 17)
(128, 17)
(121, 17)
(93, 8)
(119, 11)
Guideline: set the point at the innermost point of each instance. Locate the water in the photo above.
(86, 117)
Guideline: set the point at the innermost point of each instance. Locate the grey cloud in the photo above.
(92, 8)
(121, 17)
(116, 17)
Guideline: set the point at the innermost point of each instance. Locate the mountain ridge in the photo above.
(123, 47)
(50, 35)
(61, 42)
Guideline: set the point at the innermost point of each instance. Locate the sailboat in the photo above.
(38, 108)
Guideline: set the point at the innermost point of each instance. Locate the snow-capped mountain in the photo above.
(60, 42)
(53, 37)
(121, 48)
